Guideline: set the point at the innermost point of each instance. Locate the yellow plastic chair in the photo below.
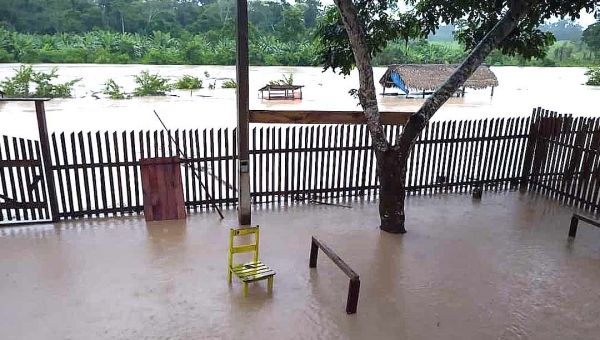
(250, 271)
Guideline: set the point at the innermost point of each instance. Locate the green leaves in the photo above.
(593, 76)
(113, 90)
(20, 85)
(189, 83)
(151, 85)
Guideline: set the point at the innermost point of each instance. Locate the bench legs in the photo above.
(270, 284)
(245, 288)
(229, 276)
(573, 228)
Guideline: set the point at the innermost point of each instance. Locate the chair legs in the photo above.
(229, 276)
(245, 288)
(270, 284)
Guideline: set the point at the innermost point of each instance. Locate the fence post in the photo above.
(314, 252)
(531, 143)
(40, 112)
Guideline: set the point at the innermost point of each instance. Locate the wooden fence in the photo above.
(563, 159)
(98, 174)
(22, 188)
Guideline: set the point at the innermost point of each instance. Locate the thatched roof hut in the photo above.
(431, 77)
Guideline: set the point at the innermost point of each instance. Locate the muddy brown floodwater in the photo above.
(521, 89)
(502, 268)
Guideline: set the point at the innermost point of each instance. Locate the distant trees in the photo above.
(591, 36)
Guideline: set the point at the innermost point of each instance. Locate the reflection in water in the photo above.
(520, 90)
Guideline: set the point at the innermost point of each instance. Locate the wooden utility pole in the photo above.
(243, 125)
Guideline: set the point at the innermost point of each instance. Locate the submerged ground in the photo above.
(501, 268)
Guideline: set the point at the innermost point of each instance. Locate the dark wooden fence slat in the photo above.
(219, 166)
(60, 182)
(111, 180)
(20, 180)
(118, 170)
(86, 176)
(286, 179)
(128, 185)
(205, 170)
(78, 196)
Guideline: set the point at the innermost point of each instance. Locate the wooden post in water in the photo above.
(40, 112)
(244, 213)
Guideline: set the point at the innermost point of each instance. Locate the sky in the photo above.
(585, 20)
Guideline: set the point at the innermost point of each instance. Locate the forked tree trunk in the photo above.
(392, 160)
(391, 168)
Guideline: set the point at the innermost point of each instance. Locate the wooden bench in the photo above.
(250, 271)
(575, 220)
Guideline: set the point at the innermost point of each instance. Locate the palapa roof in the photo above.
(431, 77)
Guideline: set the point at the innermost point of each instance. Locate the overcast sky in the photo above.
(585, 20)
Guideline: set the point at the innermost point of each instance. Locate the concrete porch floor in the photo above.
(501, 268)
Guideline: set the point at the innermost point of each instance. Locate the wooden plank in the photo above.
(117, 169)
(205, 169)
(20, 181)
(86, 177)
(310, 162)
(127, 188)
(294, 166)
(102, 174)
(228, 168)
(315, 160)
(263, 169)
(78, 195)
(236, 156)
(135, 158)
(334, 257)
(351, 179)
(28, 179)
(279, 165)
(187, 147)
(304, 148)
(255, 163)
(40, 112)
(94, 181)
(219, 167)
(213, 191)
(286, 171)
(198, 180)
(363, 156)
(324, 117)
(60, 183)
(272, 151)
(111, 180)
(36, 173)
(3, 183)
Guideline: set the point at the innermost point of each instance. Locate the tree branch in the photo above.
(367, 94)
(517, 11)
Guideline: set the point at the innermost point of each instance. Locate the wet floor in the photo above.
(501, 268)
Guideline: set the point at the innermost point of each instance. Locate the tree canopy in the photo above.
(591, 36)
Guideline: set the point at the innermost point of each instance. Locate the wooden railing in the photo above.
(353, 285)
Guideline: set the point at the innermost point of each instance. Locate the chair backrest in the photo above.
(244, 248)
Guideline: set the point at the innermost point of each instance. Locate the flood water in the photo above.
(521, 89)
(499, 268)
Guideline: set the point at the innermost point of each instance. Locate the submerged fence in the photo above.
(565, 159)
(98, 173)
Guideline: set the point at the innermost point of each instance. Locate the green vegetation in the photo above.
(19, 86)
(593, 76)
(229, 84)
(283, 81)
(202, 32)
(113, 90)
(188, 83)
(151, 85)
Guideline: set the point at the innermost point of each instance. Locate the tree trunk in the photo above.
(391, 161)
(391, 168)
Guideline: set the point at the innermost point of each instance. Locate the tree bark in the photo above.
(391, 169)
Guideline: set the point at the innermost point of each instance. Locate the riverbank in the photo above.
(158, 48)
